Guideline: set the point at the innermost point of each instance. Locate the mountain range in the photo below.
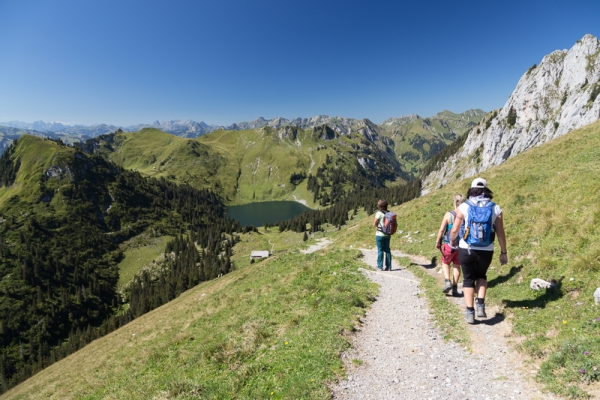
(192, 129)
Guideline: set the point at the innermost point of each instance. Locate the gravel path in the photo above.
(403, 356)
(319, 245)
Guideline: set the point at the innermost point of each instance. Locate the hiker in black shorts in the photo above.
(482, 221)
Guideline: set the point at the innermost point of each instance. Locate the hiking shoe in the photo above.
(481, 311)
(454, 291)
(470, 317)
(447, 287)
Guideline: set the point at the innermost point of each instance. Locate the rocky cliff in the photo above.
(551, 99)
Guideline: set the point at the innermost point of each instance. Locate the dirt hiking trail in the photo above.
(399, 354)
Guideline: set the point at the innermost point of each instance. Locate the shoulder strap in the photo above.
(452, 216)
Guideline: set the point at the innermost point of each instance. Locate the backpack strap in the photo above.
(446, 236)
(452, 216)
(380, 224)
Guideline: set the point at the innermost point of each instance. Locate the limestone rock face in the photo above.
(550, 100)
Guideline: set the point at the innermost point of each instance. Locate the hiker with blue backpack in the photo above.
(478, 220)
(449, 256)
(385, 222)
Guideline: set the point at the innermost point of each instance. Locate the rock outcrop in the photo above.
(551, 99)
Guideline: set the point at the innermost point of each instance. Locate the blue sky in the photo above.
(127, 62)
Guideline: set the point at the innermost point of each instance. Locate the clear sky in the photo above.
(125, 62)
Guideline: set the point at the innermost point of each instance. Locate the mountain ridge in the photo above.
(551, 99)
(190, 128)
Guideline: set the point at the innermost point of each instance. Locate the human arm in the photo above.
(458, 221)
(376, 220)
(438, 241)
(499, 224)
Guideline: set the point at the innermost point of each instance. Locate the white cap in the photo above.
(479, 183)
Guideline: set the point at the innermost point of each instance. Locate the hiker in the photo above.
(382, 239)
(478, 219)
(448, 255)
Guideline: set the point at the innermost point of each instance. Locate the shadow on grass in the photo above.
(496, 319)
(431, 265)
(541, 300)
(503, 278)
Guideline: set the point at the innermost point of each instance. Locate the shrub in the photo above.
(595, 92)
(511, 118)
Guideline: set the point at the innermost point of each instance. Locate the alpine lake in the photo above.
(257, 214)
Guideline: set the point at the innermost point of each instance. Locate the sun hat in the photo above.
(478, 183)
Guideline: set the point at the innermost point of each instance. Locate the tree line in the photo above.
(345, 208)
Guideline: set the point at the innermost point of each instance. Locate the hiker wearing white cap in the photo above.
(478, 221)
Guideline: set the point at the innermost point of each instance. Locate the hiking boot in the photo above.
(470, 317)
(454, 291)
(447, 287)
(481, 311)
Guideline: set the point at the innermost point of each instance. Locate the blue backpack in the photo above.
(478, 230)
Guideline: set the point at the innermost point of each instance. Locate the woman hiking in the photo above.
(382, 240)
(449, 256)
(478, 219)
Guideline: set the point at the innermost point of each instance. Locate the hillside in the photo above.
(63, 216)
(551, 99)
(257, 165)
(279, 321)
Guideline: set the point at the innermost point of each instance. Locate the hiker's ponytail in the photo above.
(458, 199)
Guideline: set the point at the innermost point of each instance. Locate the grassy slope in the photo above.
(270, 330)
(36, 155)
(266, 161)
(263, 160)
(243, 166)
(552, 216)
(158, 154)
(138, 254)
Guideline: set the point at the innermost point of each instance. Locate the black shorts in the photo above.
(475, 265)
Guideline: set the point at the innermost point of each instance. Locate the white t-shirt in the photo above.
(379, 216)
(464, 209)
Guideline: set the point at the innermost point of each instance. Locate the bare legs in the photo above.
(470, 292)
(455, 273)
